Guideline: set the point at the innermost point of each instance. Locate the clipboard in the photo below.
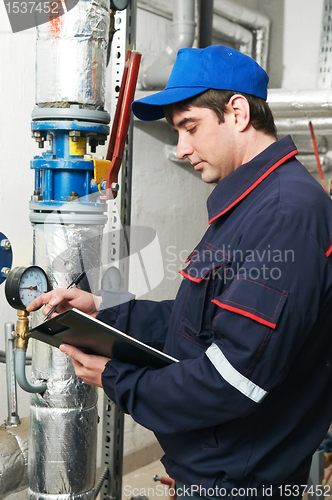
(93, 336)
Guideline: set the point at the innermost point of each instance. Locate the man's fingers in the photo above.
(73, 353)
(51, 298)
(88, 367)
(38, 302)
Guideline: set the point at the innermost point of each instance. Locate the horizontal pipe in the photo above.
(301, 125)
(150, 6)
(251, 19)
(300, 103)
(310, 162)
(241, 14)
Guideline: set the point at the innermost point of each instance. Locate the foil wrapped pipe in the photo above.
(63, 420)
(71, 53)
(62, 467)
(248, 18)
(234, 32)
(14, 458)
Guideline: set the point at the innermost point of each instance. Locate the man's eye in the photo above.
(191, 130)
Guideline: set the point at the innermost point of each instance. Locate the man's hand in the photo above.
(66, 299)
(88, 367)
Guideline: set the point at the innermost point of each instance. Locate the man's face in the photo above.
(208, 145)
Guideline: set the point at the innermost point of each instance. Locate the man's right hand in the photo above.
(66, 299)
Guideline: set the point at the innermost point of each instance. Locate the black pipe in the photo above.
(205, 23)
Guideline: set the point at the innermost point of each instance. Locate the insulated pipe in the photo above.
(151, 6)
(301, 125)
(236, 33)
(182, 35)
(310, 162)
(300, 103)
(14, 458)
(63, 435)
(74, 45)
(68, 220)
(293, 109)
(249, 18)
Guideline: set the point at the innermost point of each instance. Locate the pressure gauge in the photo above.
(119, 4)
(111, 280)
(24, 284)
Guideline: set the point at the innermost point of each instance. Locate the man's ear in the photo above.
(239, 105)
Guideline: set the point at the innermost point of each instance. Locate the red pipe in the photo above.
(111, 143)
(319, 167)
(122, 126)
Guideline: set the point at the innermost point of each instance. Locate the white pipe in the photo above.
(300, 103)
(293, 109)
(249, 18)
(234, 32)
(159, 10)
(301, 125)
(182, 35)
(310, 162)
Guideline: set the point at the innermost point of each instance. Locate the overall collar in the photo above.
(243, 180)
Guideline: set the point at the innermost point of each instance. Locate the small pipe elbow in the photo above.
(157, 74)
(182, 35)
(20, 357)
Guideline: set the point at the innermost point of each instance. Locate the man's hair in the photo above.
(261, 117)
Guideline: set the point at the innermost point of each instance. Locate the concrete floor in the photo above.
(140, 483)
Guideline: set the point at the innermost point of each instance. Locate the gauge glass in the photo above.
(33, 283)
(120, 4)
(111, 279)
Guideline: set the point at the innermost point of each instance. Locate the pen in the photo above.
(73, 283)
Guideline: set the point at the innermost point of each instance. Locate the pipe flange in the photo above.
(74, 112)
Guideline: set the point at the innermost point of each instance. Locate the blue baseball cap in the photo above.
(198, 70)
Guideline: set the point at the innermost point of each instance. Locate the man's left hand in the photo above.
(88, 367)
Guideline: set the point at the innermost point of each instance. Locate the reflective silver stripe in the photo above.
(232, 376)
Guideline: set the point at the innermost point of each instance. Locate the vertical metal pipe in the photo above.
(70, 84)
(13, 418)
(71, 56)
(63, 421)
(182, 35)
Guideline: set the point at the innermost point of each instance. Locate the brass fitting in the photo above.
(22, 330)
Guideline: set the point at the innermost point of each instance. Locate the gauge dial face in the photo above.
(112, 279)
(33, 283)
(119, 4)
(23, 285)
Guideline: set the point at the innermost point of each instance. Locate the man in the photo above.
(249, 402)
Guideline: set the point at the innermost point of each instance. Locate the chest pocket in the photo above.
(257, 299)
(205, 275)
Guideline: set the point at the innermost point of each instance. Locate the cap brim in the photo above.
(151, 107)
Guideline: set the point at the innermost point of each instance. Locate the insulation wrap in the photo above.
(63, 420)
(71, 54)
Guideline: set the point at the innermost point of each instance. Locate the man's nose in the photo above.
(183, 149)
